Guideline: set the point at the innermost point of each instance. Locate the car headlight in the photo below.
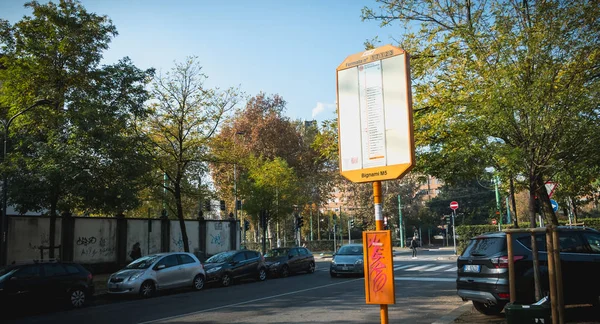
(359, 261)
(135, 276)
(215, 269)
(332, 262)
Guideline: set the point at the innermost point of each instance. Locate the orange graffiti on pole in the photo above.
(379, 268)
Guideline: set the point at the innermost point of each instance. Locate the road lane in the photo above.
(423, 295)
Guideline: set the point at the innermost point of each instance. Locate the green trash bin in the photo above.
(526, 314)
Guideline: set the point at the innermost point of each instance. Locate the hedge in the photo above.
(466, 232)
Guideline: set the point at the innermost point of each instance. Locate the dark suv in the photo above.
(225, 267)
(45, 281)
(483, 268)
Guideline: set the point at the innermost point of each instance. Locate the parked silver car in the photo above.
(347, 260)
(154, 272)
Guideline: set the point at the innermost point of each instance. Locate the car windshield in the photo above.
(484, 247)
(143, 262)
(6, 272)
(220, 257)
(350, 250)
(277, 253)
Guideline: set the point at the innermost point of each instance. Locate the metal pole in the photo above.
(383, 309)
(536, 267)
(507, 212)
(311, 224)
(496, 180)
(454, 229)
(349, 235)
(400, 224)
(235, 209)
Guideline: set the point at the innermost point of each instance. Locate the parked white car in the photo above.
(162, 271)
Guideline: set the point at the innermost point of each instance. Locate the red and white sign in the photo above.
(550, 187)
(454, 205)
(494, 221)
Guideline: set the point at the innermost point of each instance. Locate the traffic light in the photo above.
(300, 222)
(222, 204)
(447, 219)
(246, 225)
(352, 223)
(238, 204)
(207, 205)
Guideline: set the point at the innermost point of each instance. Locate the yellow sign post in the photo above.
(376, 142)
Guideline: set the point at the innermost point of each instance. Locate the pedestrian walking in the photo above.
(413, 245)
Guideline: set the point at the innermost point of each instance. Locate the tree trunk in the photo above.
(532, 211)
(52, 230)
(574, 206)
(184, 237)
(549, 214)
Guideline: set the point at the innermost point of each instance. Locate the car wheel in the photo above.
(262, 274)
(198, 282)
(488, 309)
(311, 267)
(77, 298)
(147, 289)
(285, 271)
(226, 280)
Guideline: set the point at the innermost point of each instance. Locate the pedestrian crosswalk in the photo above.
(427, 267)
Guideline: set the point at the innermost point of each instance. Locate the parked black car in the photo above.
(285, 261)
(483, 268)
(225, 267)
(45, 281)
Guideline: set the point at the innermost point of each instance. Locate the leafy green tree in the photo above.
(184, 116)
(512, 85)
(54, 54)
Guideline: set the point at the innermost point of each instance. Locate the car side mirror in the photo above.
(160, 267)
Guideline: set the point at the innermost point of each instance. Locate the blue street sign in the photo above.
(554, 205)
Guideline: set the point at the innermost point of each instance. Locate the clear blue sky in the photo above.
(285, 47)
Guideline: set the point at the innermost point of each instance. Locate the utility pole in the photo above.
(454, 230)
(400, 224)
(311, 224)
(496, 180)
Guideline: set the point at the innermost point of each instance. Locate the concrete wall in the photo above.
(193, 233)
(148, 238)
(218, 237)
(26, 235)
(108, 241)
(95, 240)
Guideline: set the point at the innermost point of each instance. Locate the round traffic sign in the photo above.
(494, 221)
(454, 205)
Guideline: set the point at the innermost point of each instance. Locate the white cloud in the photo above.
(321, 107)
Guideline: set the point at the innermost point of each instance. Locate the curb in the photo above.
(454, 314)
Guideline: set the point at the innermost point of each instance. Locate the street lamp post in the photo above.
(235, 206)
(3, 222)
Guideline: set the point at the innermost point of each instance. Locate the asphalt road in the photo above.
(425, 292)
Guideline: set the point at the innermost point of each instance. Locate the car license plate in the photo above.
(471, 268)
(345, 268)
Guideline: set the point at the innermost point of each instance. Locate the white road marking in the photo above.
(438, 267)
(402, 267)
(424, 279)
(452, 269)
(418, 268)
(246, 302)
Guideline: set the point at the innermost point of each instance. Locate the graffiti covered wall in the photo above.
(148, 238)
(95, 240)
(193, 233)
(27, 234)
(218, 237)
